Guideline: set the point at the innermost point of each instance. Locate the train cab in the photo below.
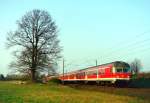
(122, 71)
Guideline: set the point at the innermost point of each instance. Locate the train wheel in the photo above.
(121, 84)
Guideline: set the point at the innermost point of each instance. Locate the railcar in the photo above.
(111, 72)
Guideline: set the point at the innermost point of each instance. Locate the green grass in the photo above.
(54, 93)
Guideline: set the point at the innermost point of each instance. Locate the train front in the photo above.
(122, 72)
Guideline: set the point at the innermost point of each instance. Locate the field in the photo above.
(56, 93)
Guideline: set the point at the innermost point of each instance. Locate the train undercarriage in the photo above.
(117, 83)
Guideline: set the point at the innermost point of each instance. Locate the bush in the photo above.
(140, 83)
(17, 77)
(54, 81)
(2, 77)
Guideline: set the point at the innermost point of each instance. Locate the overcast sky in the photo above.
(89, 30)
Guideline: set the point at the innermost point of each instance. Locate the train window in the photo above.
(118, 70)
(123, 70)
(102, 71)
(92, 73)
(81, 74)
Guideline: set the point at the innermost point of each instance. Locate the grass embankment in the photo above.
(54, 93)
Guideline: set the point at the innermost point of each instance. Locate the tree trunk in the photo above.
(33, 79)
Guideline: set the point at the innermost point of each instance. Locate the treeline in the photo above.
(2, 77)
(17, 77)
(145, 75)
(13, 77)
(23, 77)
(141, 75)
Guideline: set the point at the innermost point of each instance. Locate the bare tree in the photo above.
(135, 66)
(37, 42)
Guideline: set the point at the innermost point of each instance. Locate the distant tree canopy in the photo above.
(16, 77)
(136, 66)
(36, 42)
(2, 77)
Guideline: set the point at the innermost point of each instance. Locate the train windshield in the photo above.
(122, 67)
(124, 70)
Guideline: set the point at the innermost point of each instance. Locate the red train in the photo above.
(110, 72)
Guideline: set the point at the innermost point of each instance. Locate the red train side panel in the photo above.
(107, 72)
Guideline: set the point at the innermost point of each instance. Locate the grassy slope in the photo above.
(40, 93)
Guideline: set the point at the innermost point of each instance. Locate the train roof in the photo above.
(115, 62)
